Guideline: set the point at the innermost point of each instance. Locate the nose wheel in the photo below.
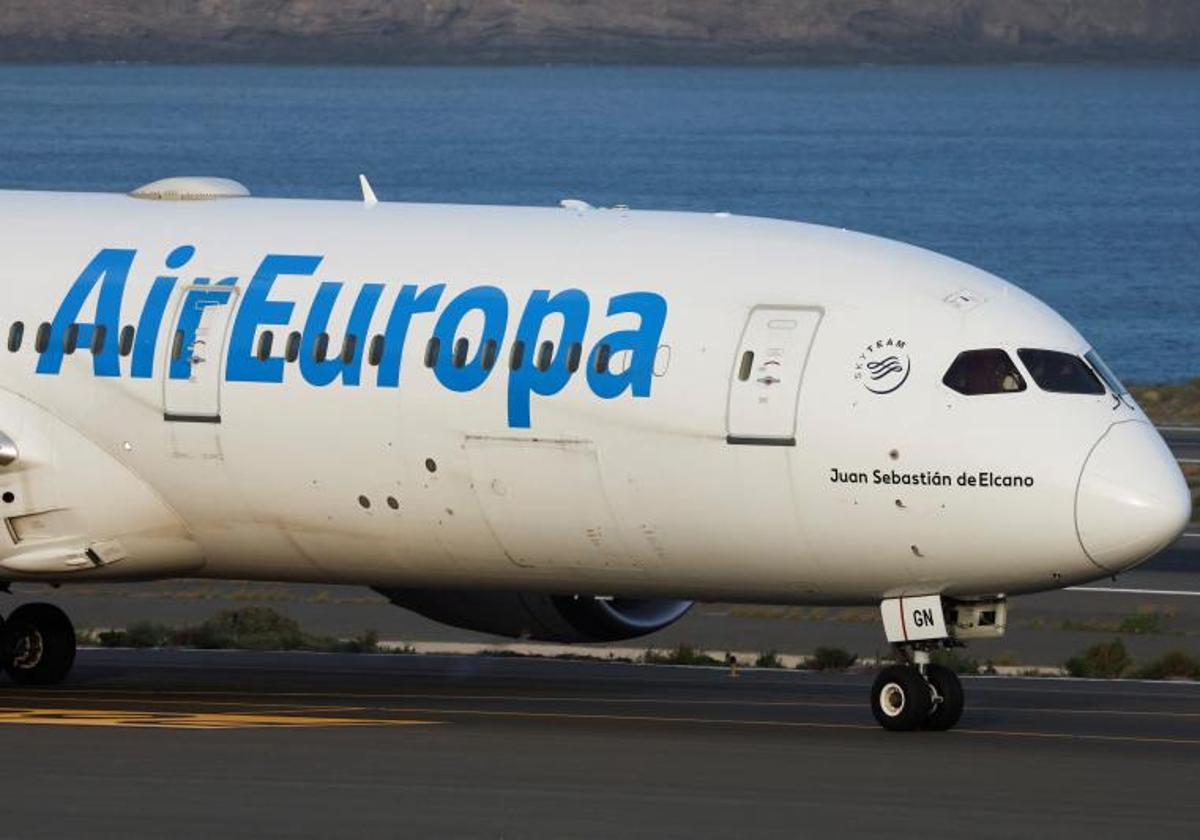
(37, 645)
(906, 698)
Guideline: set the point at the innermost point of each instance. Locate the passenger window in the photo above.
(432, 350)
(489, 354)
(99, 334)
(977, 372)
(265, 340)
(517, 357)
(125, 343)
(545, 356)
(574, 355)
(461, 346)
(747, 365)
(177, 346)
(603, 354)
(375, 352)
(15, 333)
(71, 339)
(321, 347)
(349, 348)
(291, 351)
(42, 340)
(1060, 373)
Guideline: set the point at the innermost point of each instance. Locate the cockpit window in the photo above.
(1061, 373)
(1105, 373)
(977, 372)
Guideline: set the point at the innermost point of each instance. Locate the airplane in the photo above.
(563, 423)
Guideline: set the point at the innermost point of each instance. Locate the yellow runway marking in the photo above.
(265, 700)
(259, 708)
(185, 720)
(235, 720)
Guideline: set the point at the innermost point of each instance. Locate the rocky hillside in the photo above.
(589, 31)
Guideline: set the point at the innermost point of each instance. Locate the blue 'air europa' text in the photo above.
(264, 304)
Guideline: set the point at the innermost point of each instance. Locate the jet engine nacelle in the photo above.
(547, 618)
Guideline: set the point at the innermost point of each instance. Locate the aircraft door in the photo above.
(195, 354)
(765, 387)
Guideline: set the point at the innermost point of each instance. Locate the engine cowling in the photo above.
(547, 618)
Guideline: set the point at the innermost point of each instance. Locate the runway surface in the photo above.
(194, 744)
(1184, 442)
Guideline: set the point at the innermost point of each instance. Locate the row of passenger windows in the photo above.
(41, 340)
(993, 371)
(460, 352)
(543, 358)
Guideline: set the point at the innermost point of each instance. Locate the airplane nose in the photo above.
(1132, 499)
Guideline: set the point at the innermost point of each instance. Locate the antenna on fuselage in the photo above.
(369, 199)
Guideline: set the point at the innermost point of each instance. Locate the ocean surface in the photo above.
(1081, 184)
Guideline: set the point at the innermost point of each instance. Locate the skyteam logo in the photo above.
(883, 366)
(463, 338)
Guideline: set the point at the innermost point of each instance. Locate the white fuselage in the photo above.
(684, 468)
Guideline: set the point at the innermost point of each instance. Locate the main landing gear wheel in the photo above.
(948, 703)
(901, 700)
(38, 645)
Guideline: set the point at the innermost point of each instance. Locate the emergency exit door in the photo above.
(195, 354)
(765, 389)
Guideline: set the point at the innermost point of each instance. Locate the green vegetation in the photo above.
(1170, 666)
(247, 628)
(681, 655)
(1107, 660)
(1148, 622)
(830, 659)
(768, 659)
(1110, 660)
(1170, 405)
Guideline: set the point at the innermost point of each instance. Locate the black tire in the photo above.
(900, 699)
(38, 645)
(946, 712)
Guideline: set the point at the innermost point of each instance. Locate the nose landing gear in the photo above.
(37, 645)
(917, 694)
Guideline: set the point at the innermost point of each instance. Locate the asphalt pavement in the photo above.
(204, 744)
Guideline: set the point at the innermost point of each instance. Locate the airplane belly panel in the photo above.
(544, 502)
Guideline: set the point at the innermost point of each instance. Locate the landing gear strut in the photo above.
(37, 645)
(917, 695)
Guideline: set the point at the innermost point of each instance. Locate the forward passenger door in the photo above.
(765, 386)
